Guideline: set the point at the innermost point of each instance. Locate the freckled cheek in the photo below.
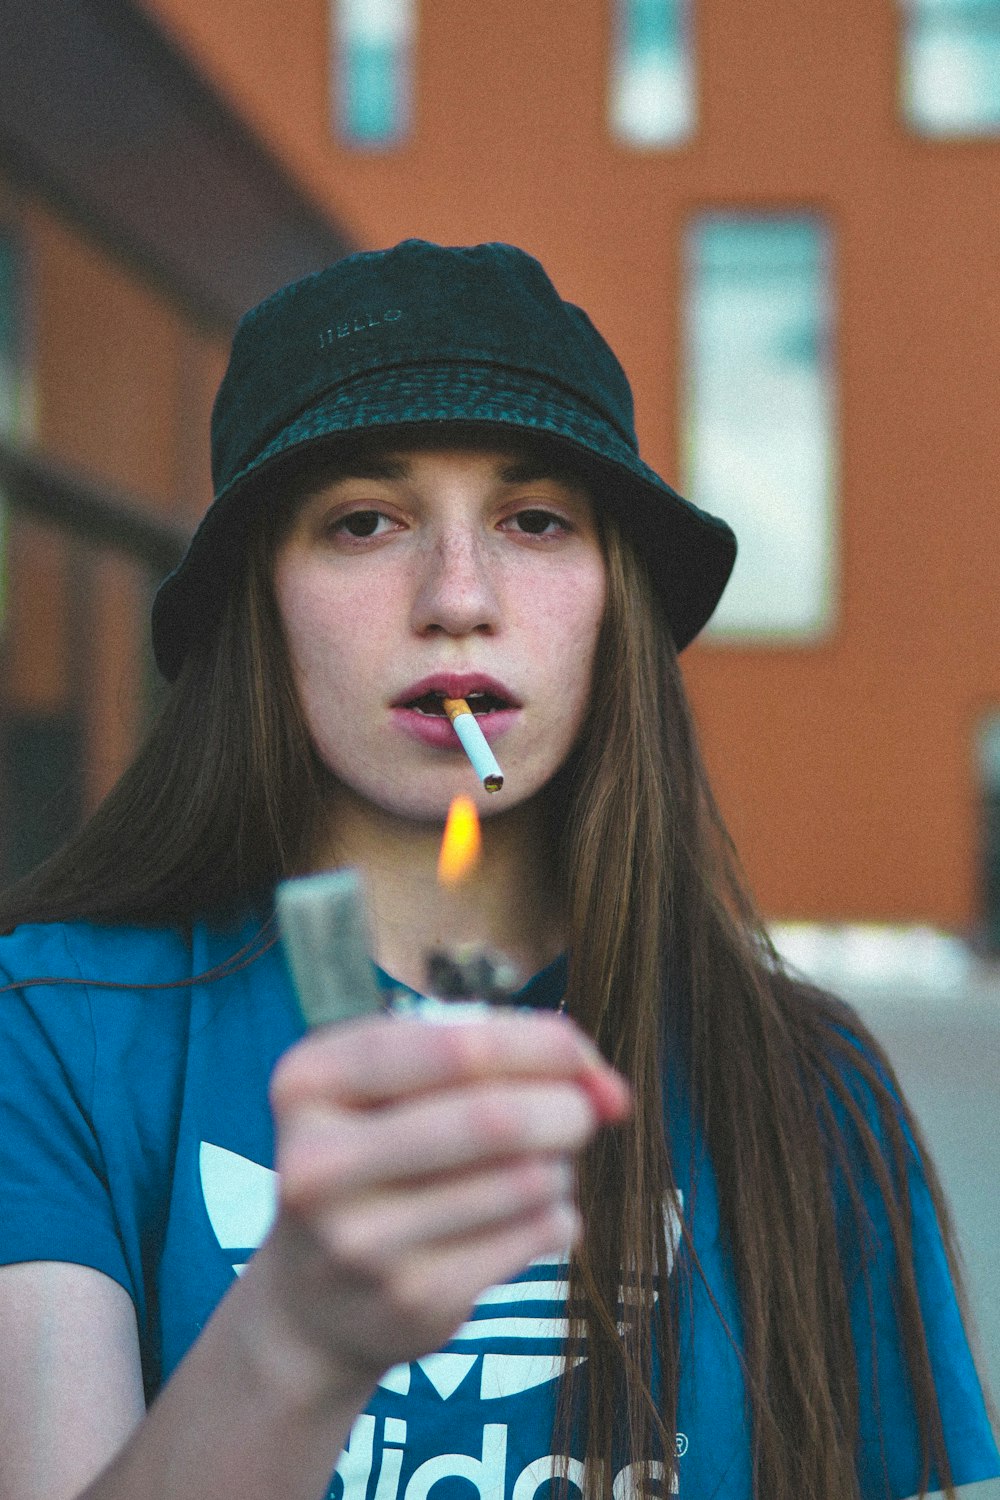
(332, 646)
(561, 600)
(568, 627)
(574, 604)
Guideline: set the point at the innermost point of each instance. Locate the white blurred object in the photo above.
(908, 962)
(324, 928)
(652, 73)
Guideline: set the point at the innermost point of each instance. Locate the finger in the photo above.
(379, 1229)
(402, 1308)
(327, 1154)
(468, 1265)
(372, 1061)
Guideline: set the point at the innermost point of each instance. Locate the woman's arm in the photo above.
(417, 1166)
(70, 1381)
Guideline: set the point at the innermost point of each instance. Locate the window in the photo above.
(17, 406)
(17, 414)
(652, 88)
(8, 339)
(951, 66)
(8, 382)
(39, 741)
(759, 414)
(989, 781)
(373, 66)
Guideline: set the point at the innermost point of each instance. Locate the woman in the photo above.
(427, 485)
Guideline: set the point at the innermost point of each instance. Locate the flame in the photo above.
(461, 843)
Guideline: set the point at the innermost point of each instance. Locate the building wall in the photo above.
(118, 386)
(846, 768)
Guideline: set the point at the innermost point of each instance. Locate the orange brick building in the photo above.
(846, 760)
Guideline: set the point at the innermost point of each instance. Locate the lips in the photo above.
(484, 695)
(480, 703)
(418, 711)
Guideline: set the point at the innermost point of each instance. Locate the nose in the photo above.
(456, 590)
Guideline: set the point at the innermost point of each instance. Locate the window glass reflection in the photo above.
(759, 414)
(8, 342)
(989, 779)
(8, 385)
(951, 66)
(373, 65)
(652, 87)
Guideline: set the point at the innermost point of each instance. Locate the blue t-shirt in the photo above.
(135, 1137)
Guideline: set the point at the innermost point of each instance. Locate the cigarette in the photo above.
(474, 743)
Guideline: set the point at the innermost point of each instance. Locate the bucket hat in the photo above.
(415, 337)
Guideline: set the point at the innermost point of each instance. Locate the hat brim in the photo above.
(689, 553)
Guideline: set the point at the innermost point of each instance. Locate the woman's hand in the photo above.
(419, 1164)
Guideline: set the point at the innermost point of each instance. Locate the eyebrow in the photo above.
(372, 467)
(525, 470)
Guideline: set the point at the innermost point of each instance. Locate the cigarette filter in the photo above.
(322, 921)
(474, 743)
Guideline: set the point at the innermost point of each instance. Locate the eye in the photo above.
(537, 522)
(362, 524)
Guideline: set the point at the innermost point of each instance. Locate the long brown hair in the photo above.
(669, 961)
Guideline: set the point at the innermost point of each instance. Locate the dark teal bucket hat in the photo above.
(414, 338)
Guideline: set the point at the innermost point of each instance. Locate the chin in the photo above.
(432, 807)
(425, 794)
(430, 804)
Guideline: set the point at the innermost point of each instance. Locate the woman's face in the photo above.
(425, 573)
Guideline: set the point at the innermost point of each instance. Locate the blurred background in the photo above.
(784, 217)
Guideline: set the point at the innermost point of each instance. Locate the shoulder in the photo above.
(121, 980)
(897, 1257)
(889, 1205)
(838, 1052)
(879, 1172)
(73, 951)
(70, 990)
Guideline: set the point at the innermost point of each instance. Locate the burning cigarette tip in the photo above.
(474, 743)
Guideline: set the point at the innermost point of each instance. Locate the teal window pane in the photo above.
(373, 51)
(951, 66)
(989, 779)
(759, 423)
(8, 383)
(652, 85)
(8, 337)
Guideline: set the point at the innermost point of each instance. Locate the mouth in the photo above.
(481, 704)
